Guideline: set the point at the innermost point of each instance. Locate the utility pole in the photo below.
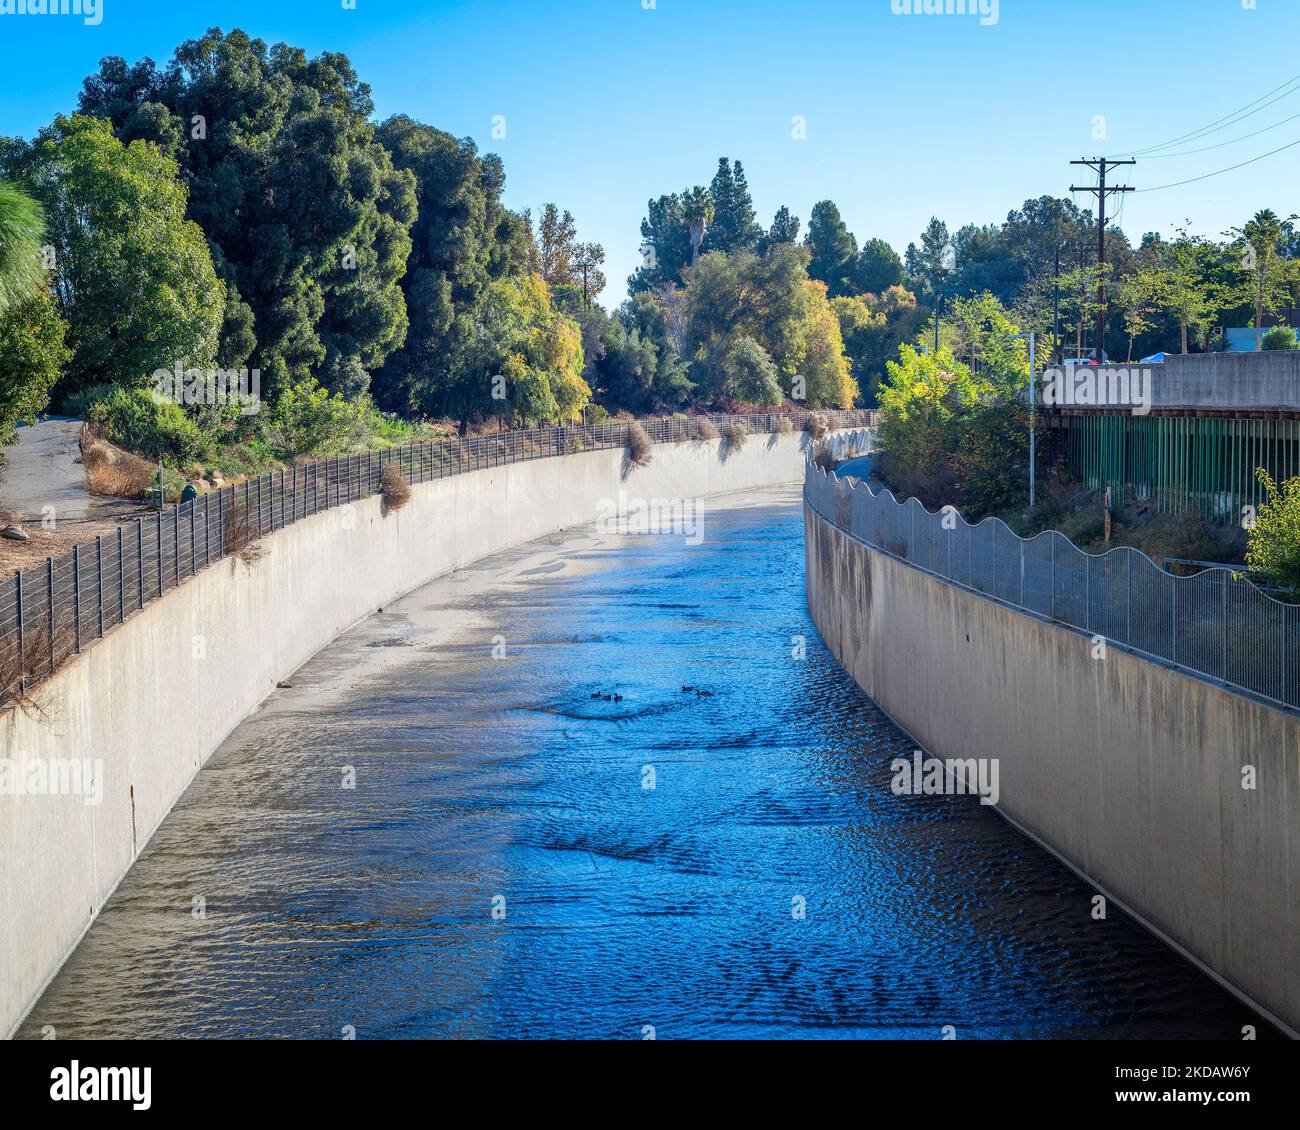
(1101, 191)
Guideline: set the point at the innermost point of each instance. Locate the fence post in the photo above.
(1224, 631)
(259, 505)
(1286, 694)
(1053, 578)
(207, 529)
(49, 578)
(22, 643)
(76, 597)
(1173, 625)
(1128, 601)
(160, 557)
(99, 581)
(139, 556)
(1022, 573)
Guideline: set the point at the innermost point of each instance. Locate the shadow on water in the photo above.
(715, 853)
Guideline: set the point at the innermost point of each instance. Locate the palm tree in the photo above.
(22, 227)
(697, 207)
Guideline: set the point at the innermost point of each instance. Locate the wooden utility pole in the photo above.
(1101, 191)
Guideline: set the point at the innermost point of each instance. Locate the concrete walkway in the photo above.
(41, 470)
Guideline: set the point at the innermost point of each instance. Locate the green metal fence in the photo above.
(1202, 466)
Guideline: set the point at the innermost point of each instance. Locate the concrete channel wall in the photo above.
(1129, 771)
(147, 705)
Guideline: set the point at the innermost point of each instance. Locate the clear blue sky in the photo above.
(607, 103)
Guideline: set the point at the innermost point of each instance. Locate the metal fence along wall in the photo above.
(1185, 465)
(50, 612)
(1225, 629)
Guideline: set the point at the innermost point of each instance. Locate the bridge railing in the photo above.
(1209, 624)
(50, 612)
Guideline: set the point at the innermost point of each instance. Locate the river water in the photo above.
(518, 858)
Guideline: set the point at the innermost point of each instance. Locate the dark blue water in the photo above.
(328, 909)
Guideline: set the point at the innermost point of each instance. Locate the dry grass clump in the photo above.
(638, 445)
(393, 487)
(735, 435)
(705, 429)
(242, 534)
(816, 426)
(112, 471)
(824, 458)
(785, 426)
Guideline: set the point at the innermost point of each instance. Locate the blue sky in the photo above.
(608, 103)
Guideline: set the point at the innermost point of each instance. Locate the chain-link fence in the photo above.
(1224, 629)
(50, 612)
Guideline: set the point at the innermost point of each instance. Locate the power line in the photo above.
(1222, 144)
(1228, 119)
(1220, 172)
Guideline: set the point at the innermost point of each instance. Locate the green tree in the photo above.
(832, 249)
(133, 276)
(749, 376)
(877, 268)
(32, 357)
(307, 217)
(1141, 295)
(641, 369)
(770, 300)
(930, 266)
(733, 227)
(463, 240)
(1194, 294)
(1269, 274)
(784, 229)
(557, 237)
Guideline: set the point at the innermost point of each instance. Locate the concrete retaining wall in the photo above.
(156, 697)
(1129, 771)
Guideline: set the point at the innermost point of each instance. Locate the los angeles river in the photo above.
(493, 810)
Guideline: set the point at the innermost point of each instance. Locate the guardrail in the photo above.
(1210, 625)
(50, 612)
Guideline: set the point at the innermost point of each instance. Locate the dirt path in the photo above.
(43, 489)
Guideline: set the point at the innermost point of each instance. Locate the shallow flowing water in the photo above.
(503, 868)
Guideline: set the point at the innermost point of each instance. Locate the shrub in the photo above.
(308, 420)
(152, 426)
(242, 534)
(785, 426)
(394, 488)
(816, 426)
(1273, 544)
(824, 458)
(1280, 337)
(705, 429)
(638, 445)
(115, 472)
(735, 436)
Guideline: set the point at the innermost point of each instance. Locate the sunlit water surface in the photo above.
(500, 783)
